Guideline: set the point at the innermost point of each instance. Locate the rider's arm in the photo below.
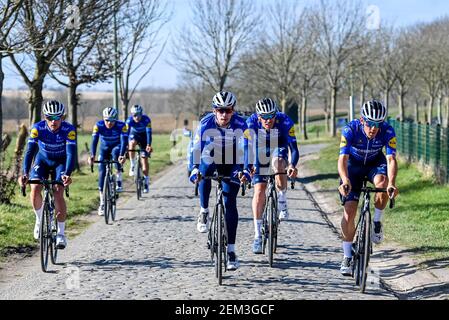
(392, 166)
(95, 137)
(195, 152)
(343, 167)
(293, 145)
(149, 132)
(32, 149)
(71, 151)
(124, 140)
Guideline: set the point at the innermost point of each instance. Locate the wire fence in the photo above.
(425, 144)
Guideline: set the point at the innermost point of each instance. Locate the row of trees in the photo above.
(324, 51)
(79, 42)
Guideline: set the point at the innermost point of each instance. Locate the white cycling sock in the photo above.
(101, 198)
(231, 247)
(119, 176)
(378, 214)
(347, 249)
(133, 162)
(38, 213)
(282, 200)
(257, 228)
(204, 210)
(61, 228)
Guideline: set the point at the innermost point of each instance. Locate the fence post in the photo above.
(411, 141)
(438, 148)
(419, 143)
(447, 155)
(427, 159)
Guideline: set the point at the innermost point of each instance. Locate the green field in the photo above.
(17, 220)
(420, 219)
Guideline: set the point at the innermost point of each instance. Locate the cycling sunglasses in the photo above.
(267, 116)
(110, 120)
(228, 111)
(372, 124)
(53, 118)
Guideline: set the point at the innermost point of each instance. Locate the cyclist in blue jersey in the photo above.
(214, 149)
(139, 132)
(52, 145)
(361, 156)
(270, 137)
(113, 135)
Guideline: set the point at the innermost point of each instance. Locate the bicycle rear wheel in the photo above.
(45, 237)
(107, 198)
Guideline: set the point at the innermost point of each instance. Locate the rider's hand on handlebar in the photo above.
(149, 149)
(392, 191)
(122, 159)
(195, 176)
(244, 176)
(66, 180)
(23, 180)
(345, 188)
(90, 160)
(292, 172)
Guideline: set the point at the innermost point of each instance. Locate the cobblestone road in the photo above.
(153, 251)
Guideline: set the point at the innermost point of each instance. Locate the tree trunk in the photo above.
(362, 93)
(2, 77)
(387, 98)
(446, 108)
(303, 116)
(73, 114)
(35, 101)
(429, 109)
(283, 102)
(439, 110)
(416, 111)
(333, 112)
(401, 102)
(300, 115)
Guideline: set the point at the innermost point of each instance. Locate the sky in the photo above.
(397, 12)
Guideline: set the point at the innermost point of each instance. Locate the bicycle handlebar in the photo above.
(102, 161)
(369, 190)
(46, 183)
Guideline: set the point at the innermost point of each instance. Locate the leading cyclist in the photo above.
(52, 145)
(361, 156)
(215, 142)
(269, 126)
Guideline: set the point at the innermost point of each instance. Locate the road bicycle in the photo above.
(270, 218)
(109, 190)
(362, 246)
(49, 225)
(139, 179)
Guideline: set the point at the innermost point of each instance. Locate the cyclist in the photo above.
(113, 135)
(215, 142)
(52, 144)
(270, 126)
(361, 156)
(139, 131)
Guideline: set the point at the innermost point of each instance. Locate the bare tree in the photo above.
(221, 31)
(340, 26)
(45, 25)
(138, 39)
(8, 17)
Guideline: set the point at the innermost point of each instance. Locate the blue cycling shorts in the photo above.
(42, 167)
(141, 140)
(277, 153)
(358, 172)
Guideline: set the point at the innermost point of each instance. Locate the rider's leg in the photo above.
(230, 192)
(37, 201)
(381, 198)
(145, 169)
(348, 226)
(132, 155)
(258, 205)
(101, 176)
(118, 166)
(280, 165)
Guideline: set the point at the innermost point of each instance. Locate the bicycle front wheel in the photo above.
(138, 181)
(113, 188)
(271, 229)
(45, 237)
(220, 244)
(367, 251)
(107, 198)
(54, 232)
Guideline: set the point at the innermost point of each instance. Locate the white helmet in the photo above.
(110, 113)
(374, 111)
(136, 109)
(224, 99)
(266, 106)
(53, 108)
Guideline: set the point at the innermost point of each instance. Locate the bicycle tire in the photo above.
(54, 232)
(219, 256)
(44, 238)
(264, 229)
(113, 197)
(271, 227)
(360, 251)
(276, 229)
(366, 256)
(138, 182)
(107, 197)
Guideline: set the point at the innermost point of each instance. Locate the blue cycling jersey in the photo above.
(356, 144)
(58, 145)
(212, 144)
(109, 138)
(282, 135)
(141, 128)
